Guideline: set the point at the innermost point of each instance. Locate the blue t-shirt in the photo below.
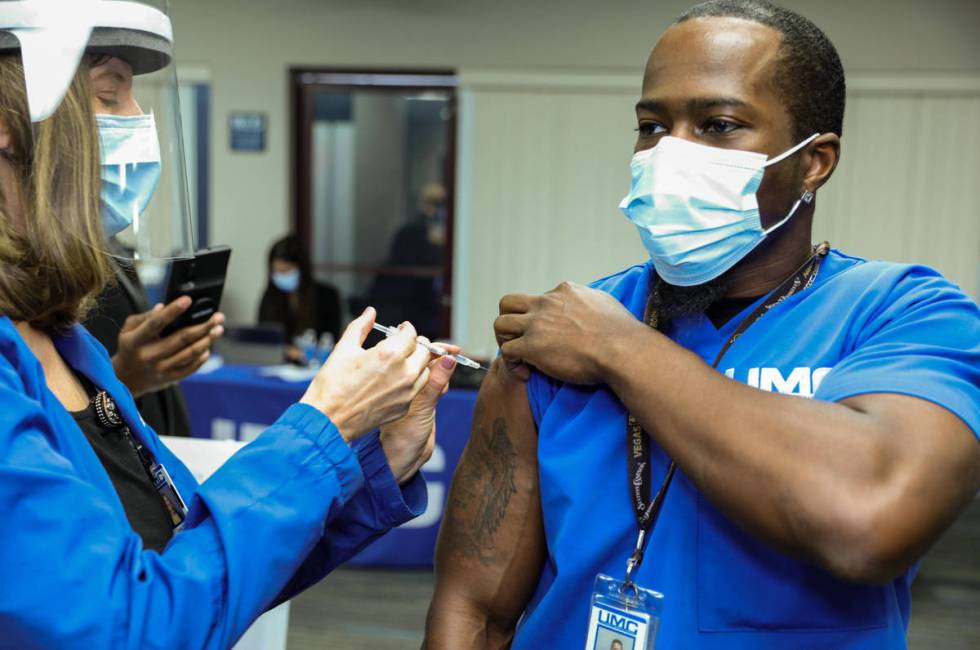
(862, 327)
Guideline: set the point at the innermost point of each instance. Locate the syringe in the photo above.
(434, 349)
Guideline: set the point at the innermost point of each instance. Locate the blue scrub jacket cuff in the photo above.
(317, 427)
(396, 504)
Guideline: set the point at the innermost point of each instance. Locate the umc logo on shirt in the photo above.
(800, 381)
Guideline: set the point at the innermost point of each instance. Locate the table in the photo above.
(238, 402)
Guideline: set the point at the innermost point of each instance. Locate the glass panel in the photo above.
(380, 201)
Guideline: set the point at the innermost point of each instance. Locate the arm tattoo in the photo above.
(482, 491)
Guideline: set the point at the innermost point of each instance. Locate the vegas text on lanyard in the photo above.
(622, 610)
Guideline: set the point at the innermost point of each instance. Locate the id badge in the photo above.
(623, 617)
(168, 491)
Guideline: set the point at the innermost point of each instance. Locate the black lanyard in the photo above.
(637, 440)
(108, 416)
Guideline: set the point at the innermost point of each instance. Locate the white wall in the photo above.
(910, 150)
(540, 183)
(904, 189)
(248, 46)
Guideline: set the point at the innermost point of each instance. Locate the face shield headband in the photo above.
(145, 194)
(54, 35)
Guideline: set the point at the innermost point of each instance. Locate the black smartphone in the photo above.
(201, 277)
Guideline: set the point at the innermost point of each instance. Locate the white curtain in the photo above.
(542, 169)
(906, 187)
(544, 161)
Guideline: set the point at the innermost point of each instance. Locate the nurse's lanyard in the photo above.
(637, 442)
(107, 413)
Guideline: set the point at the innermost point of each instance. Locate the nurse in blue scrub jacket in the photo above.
(108, 541)
(768, 433)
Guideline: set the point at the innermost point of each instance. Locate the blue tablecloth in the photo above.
(238, 402)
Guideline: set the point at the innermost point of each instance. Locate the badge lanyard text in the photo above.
(637, 442)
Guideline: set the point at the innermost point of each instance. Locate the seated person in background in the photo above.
(821, 409)
(415, 293)
(294, 299)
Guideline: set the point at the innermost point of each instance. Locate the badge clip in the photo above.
(634, 561)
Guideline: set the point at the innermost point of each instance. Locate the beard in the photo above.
(674, 302)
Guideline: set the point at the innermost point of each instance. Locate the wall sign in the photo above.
(247, 131)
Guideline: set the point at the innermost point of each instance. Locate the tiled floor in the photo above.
(385, 610)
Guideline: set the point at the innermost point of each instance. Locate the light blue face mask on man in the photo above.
(130, 168)
(696, 209)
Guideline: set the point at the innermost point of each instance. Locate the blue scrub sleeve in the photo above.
(923, 341)
(541, 391)
(377, 508)
(76, 576)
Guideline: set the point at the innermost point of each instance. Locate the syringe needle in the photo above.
(469, 363)
(434, 349)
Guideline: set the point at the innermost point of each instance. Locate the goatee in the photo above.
(675, 302)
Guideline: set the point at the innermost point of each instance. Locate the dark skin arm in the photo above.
(145, 362)
(863, 487)
(491, 544)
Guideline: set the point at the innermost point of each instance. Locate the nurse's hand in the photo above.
(566, 333)
(358, 389)
(408, 442)
(147, 363)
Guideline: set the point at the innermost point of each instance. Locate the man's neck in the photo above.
(766, 267)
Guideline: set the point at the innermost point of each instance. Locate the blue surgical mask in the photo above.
(130, 168)
(695, 207)
(286, 282)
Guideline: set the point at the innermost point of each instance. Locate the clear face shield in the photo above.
(127, 48)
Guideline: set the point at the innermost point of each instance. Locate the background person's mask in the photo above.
(286, 282)
(696, 208)
(130, 168)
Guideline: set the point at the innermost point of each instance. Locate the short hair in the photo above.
(615, 643)
(809, 74)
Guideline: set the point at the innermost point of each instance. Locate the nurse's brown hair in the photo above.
(52, 251)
